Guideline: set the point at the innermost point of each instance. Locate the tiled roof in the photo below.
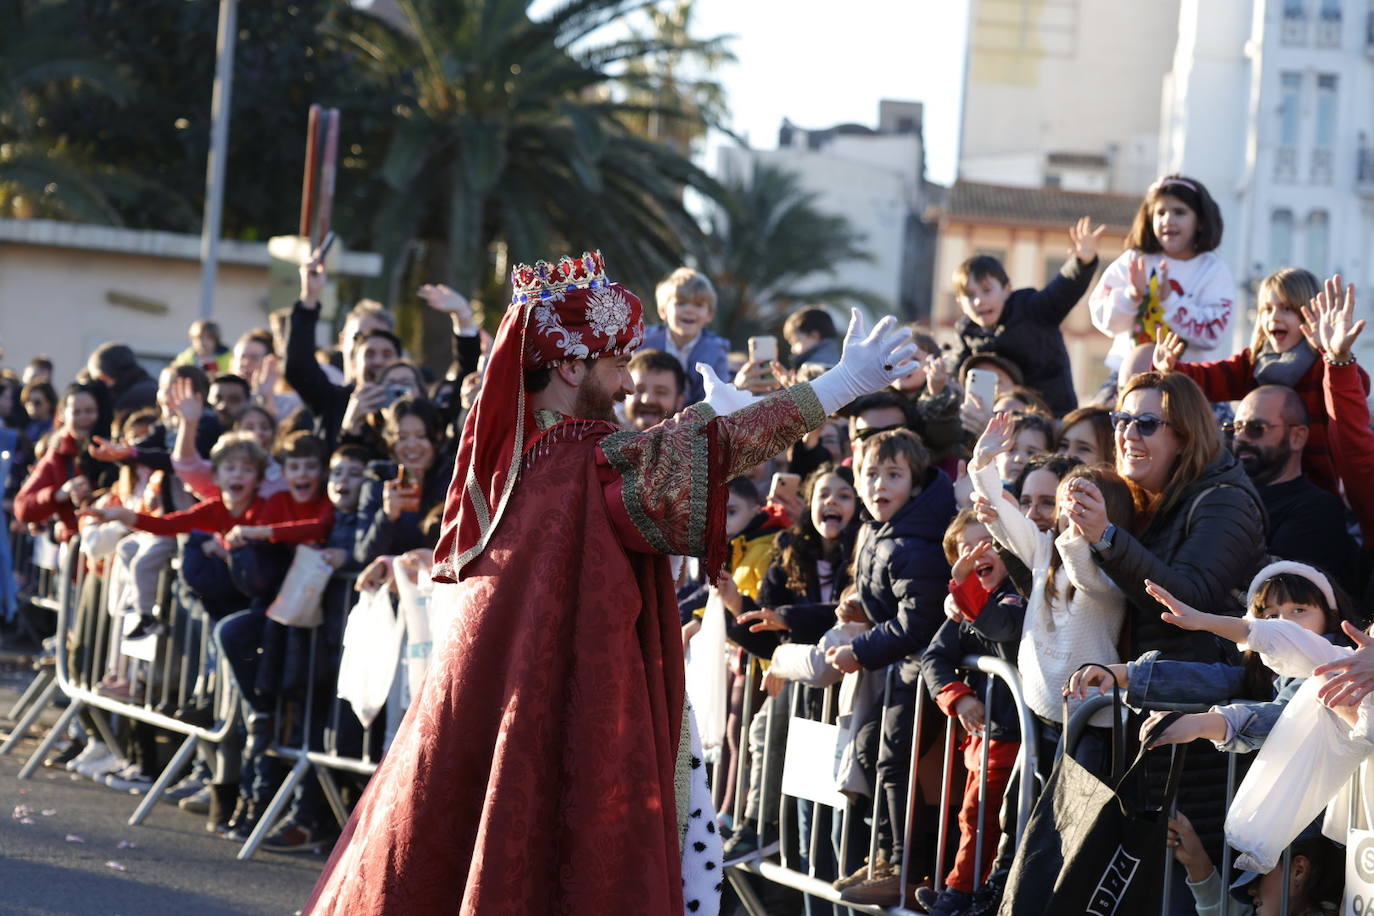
(973, 201)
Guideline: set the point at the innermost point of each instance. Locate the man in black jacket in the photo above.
(1023, 325)
(1306, 522)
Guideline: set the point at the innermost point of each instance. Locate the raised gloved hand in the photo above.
(868, 364)
(723, 397)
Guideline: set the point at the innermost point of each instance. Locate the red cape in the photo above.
(535, 771)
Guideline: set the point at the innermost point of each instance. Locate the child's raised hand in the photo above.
(184, 401)
(729, 594)
(999, 437)
(1169, 349)
(968, 560)
(1083, 240)
(972, 714)
(1349, 680)
(1139, 279)
(764, 618)
(1342, 330)
(1183, 616)
(937, 374)
(983, 509)
(1097, 678)
(103, 449)
(1165, 289)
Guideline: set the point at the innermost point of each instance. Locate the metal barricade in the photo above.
(783, 873)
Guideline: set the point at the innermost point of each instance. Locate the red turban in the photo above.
(558, 312)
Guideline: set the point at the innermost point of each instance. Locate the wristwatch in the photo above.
(1105, 542)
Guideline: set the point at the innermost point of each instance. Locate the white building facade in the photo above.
(1271, 104)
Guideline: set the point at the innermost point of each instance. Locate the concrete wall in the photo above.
(58, 280)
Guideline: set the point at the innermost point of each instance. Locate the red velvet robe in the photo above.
(535, 772)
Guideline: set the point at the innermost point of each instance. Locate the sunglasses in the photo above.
(1147, 424)
(1252, 429)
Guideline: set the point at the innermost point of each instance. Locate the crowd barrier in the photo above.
(777, 869)
(187, 691)
(176, 682)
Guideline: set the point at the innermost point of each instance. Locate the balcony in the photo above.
(1321, 172)
(1327, 31)
(1286, 165)
(1364, 171)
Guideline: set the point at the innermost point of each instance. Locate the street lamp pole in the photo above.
(214, 163)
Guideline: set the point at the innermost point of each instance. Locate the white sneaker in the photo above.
(94, 750)
(97, 769)
(130, 779)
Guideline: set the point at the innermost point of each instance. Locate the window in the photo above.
(1326, 111)
(1318, 234)
(1280, 239)
(1290, 89)
(1330, 10)
(1294, 9)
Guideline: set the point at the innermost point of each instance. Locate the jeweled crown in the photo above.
(543, 280)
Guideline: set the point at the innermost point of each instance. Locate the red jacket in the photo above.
(1233, 378)
(1346, 390)
(37, 502)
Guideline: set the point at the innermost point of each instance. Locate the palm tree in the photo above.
(769, 237)
(512, 140)
(41, 60)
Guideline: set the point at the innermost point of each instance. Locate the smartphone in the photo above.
(784, 487)
(763, 349)
(983, 383)
(394, 393)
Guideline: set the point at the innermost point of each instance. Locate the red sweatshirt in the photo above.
(1233, 378)
(1346, 390)
(291, 522)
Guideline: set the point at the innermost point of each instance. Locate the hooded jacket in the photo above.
(902, 575)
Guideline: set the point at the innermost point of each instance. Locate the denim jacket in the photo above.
(1157, 683)
(710, 348)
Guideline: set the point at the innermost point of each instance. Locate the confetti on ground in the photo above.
(73, 838)
(22, 811)
(115, 866)
(127, 844)
(23, 791)
(49, 812)
(26, 820)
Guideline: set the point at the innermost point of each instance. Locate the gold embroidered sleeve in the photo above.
(668, 473)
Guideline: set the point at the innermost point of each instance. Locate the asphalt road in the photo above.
(67, 859)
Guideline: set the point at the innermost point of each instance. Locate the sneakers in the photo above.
(92, 751)
(987, 900)
(290, 836)
(130, 779)
(65, 755)
(196, 803)
(880, 869)
(188, 786)
(98, 764)
(883, 890)
(947, 902)
(745, 844)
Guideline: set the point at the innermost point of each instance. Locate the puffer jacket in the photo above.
(1209, 543)
(902, 575)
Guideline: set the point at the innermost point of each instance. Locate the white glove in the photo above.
(723, 397)
(868, 364)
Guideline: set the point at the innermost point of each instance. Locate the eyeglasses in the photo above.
(1147, 424)
(1253, 429)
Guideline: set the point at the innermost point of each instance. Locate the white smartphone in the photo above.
(763, 349)
(983, 384)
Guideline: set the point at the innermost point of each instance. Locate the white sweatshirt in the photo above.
(1200, 309)
(1057, 637)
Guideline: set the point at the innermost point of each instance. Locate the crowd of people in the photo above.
(1197, 501)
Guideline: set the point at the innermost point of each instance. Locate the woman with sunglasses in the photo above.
(1201, 523)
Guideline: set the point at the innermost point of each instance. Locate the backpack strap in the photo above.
(1188, 522)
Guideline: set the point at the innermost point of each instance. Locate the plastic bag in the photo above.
(413, 606)
(371, 649)
(706, 676)
(300, 600)
(1302, 766)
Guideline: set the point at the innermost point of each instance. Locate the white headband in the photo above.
(1292, 568)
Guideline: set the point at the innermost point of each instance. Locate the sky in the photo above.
(824, 62)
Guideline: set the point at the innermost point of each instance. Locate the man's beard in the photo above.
(1262, 464)
(594, 402)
